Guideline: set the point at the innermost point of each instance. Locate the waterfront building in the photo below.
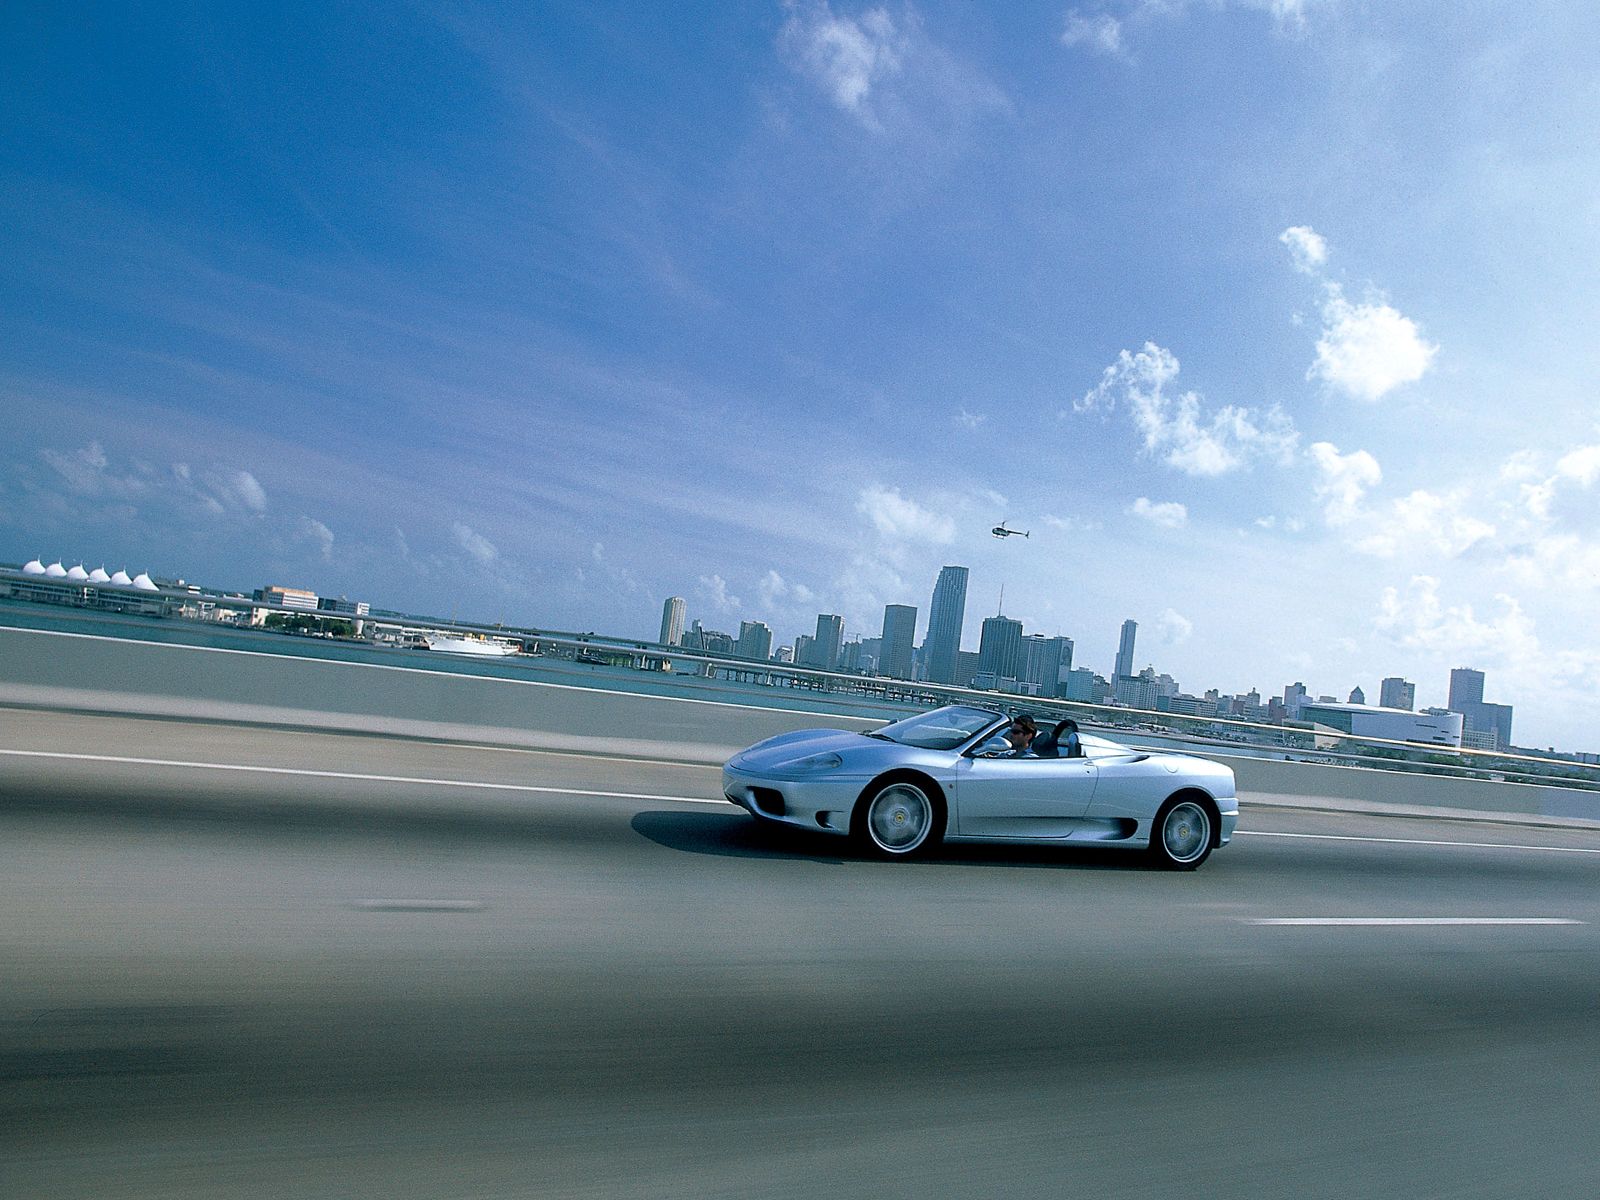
(1130, 627)
(966, 668)
(802, 650)
(1357, 696)
(672, 618)
(945, 616)
(299, 599)
(899, 635)
(1000, 648)
(1395, 692)
(755, 640)
(1431, 727)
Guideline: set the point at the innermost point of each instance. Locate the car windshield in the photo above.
(941, 729)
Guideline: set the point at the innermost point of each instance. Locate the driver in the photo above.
(1021, 735)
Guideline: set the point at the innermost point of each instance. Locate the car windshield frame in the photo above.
(896, 731)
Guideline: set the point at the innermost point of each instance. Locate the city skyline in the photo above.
(1270, 322)
(1006, 651)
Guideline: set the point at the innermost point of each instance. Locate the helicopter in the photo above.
(1000, 531)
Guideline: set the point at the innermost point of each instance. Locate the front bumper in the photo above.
(823, 804)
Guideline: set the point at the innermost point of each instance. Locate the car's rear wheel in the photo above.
(1182, 834)
(898, 819)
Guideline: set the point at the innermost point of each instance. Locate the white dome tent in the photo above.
(56, 571)
(77, 574)
(34, 567)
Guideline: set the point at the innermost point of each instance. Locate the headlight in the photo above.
(817, 762)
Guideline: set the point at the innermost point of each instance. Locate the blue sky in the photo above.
(1272, 321)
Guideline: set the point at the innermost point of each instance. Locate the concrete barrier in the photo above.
(51, 669)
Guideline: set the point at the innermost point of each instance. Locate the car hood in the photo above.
(787, 747)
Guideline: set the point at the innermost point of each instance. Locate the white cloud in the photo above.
(1417, 618)
(845, 56)
(1177, 427)
(1170, 515)
(319, 534)
(970, 420)
(715, 588)
(896, 517)
(1307, 247)
(1173, 628)
(1069, 524)
(1561, 560)
(1431, 520)
(1343, 480)
(475, 544)
(1582, 466)
(1101, 33)
(776, 590)
(250, 493)
(1367, 350)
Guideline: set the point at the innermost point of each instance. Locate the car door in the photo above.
(1022, 797)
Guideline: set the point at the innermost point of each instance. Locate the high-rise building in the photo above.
(755, 640)
(945, 617)
(802, 650)
(1000, 648)
(1294, 695)
(899, 635)
(1044, 661)
(1466, 687)
(1125, 648)
(1357, 696)
(1490, 724)
(966, 667)
(1395, 692)
(672, 617)
(824, 651)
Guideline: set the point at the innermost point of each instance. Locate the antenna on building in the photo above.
(1001, 611)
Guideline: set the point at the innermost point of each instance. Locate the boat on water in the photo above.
(469, 645)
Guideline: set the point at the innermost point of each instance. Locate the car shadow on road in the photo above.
(735, 835)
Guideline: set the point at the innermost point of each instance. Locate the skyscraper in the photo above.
(1466, 687)
(945, 616)
(1044, 661)
(1000, 648)
(899, 634)
(1125, 649)
(755, 640)
(830, 638)
(672, 616)
(1395, 692)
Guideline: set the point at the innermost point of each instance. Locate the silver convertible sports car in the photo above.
(951, 775)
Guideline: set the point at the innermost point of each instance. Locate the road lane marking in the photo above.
(1367, 921)
(303, 772)
(1350, 837)
(420, 905)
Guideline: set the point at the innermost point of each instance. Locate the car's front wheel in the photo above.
(1181, 836)
(898, 819)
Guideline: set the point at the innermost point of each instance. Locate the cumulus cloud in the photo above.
(900, 519)
(1417, 618)
(480, 548)
(776, 590)
(1307, 247)
(715, 589)
(1342, 481)
(1170, 515)
(1434, 521)
(1582, 466)
(846, 56)
(1101, 33)
(970, 420)
(1177, 427)
(1367, 350)
(1173, 628)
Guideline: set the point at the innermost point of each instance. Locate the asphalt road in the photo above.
(357, 972)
